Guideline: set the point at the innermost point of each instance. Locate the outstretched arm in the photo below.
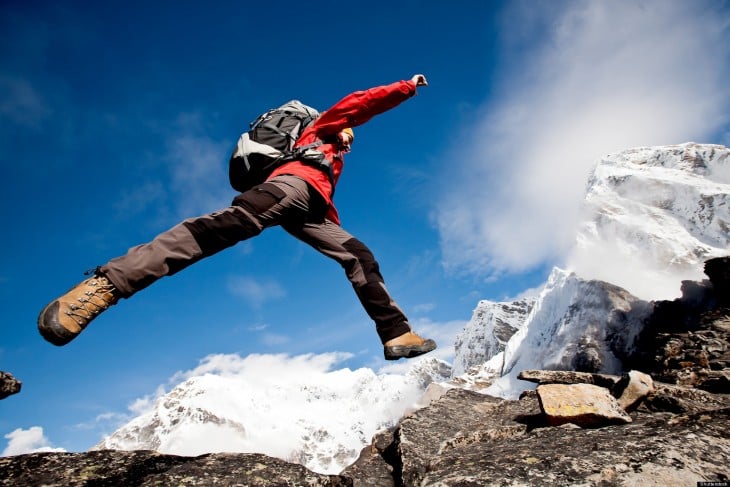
(359, 107)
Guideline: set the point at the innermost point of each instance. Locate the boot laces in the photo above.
(100, 295)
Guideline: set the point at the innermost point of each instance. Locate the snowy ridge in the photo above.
(320, 418)
(486, 335)
(658, 211)
(575, 325)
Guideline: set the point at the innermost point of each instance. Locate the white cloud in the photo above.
(255, 291)
(104, 421)
(139, 199)
(300, 408)
(607, 76)
(32, 440)
(278, 367)
(146, 403)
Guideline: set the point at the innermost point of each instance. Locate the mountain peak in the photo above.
(652, 215)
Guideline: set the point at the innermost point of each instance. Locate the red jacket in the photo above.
(353, 110)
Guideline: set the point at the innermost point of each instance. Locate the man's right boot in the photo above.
(64, 318)
(408, 345)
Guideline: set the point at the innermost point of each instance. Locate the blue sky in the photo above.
(117, 119)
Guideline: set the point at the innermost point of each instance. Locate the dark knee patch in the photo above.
(226, 228)
(259, 198)
(365, 258)
(221, 230)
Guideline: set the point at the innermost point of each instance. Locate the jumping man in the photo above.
(298, 197)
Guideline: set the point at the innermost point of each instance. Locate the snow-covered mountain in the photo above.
(653, 216)
(485, 337)
(574, 324)
(315, 416)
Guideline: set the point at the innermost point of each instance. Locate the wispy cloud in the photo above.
(197, 167)
(139, 199)
(273, 339)
(22, 104)
(255, 291)
(607, 76)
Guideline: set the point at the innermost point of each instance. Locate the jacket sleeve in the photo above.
(359, 107)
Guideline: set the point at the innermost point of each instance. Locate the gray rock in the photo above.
(453, 423)
(468, 439)
(569, 377)
(374, 466)
(687, 341)
(682, 400)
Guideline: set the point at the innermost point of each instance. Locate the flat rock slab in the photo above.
(569, 377)
(585, 405)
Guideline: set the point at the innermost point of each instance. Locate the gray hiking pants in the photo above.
(284, 200)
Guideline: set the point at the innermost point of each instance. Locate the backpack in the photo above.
(269, 143)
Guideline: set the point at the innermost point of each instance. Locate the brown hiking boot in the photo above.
(63, 319)
(408, 345)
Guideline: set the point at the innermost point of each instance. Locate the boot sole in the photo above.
(408, 351)
(51, 329)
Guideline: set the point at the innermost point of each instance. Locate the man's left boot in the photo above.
(64, 318)
(408, 345)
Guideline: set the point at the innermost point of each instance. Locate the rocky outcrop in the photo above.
(466, 438)
(687, 341)
(486, 335)
(9, 385)
(718, 270)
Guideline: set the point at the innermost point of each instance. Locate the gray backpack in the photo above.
(269, 143)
